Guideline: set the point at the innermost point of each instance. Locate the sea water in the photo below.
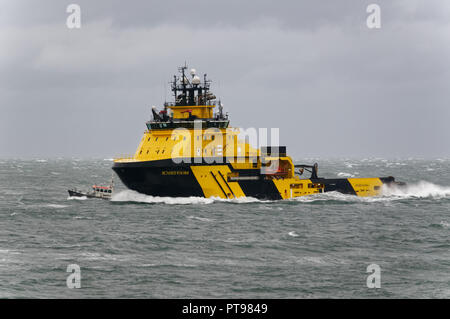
(138, 246)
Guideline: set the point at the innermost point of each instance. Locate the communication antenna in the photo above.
(218, 89)
(220, 109)
(165, 93)
(183, 81)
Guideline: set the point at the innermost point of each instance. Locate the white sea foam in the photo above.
(11, 192)
(444, 224)
(422, 189)
(343, 174)
(203, 219)
(132, 196)
(417, 190)
(99, 256)
(76, 198)
(329, 196)
(9, 251)
(240, 200)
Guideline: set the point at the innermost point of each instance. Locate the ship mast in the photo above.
(193, 101)
(193, 91)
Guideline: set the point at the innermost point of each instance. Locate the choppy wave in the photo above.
(56, 206)
(203, 219)
(334, 233)
(422, 189)
(319, 260)
(332, 197)
(444, 224)
(417, 190)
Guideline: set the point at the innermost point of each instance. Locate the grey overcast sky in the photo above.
(313, 69)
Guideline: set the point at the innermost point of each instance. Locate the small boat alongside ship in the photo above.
(97, 191)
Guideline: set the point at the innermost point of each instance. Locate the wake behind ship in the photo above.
(190, 150)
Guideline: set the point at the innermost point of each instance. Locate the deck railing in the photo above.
(124, 158)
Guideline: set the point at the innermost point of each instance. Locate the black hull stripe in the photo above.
(223, 178)
(220, 186)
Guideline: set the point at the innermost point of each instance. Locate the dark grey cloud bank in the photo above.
(311, 68)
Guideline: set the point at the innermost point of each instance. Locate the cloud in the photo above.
(333, 86)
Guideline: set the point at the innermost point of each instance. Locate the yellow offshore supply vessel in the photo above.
(190, 150)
